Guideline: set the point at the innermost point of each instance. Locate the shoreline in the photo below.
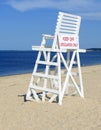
(75, 113)
(41, 70)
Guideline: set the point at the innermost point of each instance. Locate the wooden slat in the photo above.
(45, 76)
(69, 15)
(67, 21)
(47, 63)
(45, 89)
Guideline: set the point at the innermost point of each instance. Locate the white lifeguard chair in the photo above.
(52, 84)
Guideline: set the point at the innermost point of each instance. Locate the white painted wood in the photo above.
(42, 75)
(67, 25)
(46, 73)
(48, 63)
(45, 89)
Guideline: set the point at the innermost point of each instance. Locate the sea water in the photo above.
(20, 62)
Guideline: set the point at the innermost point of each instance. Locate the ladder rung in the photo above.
(71, 85)
(47, 63)
(75, 74)
(74, 62)
(45, 76)
(45, 89)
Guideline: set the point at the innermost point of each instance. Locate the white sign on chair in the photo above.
(68, 41)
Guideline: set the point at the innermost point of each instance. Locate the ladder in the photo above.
(40, 80)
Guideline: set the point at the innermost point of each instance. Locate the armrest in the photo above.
(47, 36)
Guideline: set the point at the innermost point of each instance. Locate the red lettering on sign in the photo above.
(68, 44)
(68, 38)
(71, 38)
(65, 38)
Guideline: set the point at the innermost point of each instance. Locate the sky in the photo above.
(22, 22)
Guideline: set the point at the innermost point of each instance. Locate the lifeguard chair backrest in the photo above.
(67, 25)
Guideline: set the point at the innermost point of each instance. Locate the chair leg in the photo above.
(80, 75)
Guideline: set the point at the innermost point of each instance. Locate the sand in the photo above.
(74, 114)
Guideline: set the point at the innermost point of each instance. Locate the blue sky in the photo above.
(22, 22)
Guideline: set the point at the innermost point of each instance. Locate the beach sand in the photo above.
(75, 113)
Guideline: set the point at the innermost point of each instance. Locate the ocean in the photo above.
(21, 62)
